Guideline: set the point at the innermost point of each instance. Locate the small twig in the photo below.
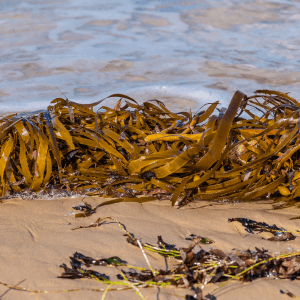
(146, 258)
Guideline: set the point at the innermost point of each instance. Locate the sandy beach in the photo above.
(37, 237)
(184, 53)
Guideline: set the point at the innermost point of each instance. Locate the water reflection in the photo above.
(183, 52)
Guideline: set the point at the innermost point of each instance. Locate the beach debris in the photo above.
(163, 248)
(291, 295)
(86, 209)
(195, 266)
(279, 233)
(94, 224)
(146, 152)
(198, 295)
(214, 266)
(79, 259)
(199, 239)
(76, 273)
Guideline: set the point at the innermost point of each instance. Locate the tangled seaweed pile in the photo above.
(145, 149)
(195, 266)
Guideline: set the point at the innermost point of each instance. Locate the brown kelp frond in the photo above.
(148, 151)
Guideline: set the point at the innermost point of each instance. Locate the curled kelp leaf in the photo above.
(249, 151)
(279, 233)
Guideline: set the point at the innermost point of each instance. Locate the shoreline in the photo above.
(37, 237)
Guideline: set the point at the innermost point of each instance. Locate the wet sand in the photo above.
(37, 237)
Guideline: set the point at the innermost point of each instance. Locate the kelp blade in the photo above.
(136, 149)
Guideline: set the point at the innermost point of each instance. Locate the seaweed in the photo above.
(199, 239)
(142, 152)
(279, 234)
(86, 209)
(163, 248)
(205, 267)
(195, 266)
(76, 273)
(291, 295)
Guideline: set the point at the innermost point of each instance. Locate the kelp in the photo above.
(86, 209)
(142, 152)
(163, 248)
(279, 233)
(195, 266)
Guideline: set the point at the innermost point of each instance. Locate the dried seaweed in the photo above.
(199, 239)
(196, 267)
(279, 234)
(76, 273)
(214, 266)
(163, 248)
(291, 295)
(141, 152)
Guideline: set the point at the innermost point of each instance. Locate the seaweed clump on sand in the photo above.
(279, 233)
(141, 152)
(194, 268)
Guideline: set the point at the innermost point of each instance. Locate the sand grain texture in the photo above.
(36, 237)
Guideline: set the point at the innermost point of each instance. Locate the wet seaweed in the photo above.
(279, 233)
(86, 209)
(142, 152)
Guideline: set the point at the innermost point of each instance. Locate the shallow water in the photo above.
(183, 52)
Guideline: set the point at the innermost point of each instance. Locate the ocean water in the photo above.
(185, 53)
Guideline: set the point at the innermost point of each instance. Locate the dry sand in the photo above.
(36, 237)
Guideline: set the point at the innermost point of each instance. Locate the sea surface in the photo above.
(185, 53)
